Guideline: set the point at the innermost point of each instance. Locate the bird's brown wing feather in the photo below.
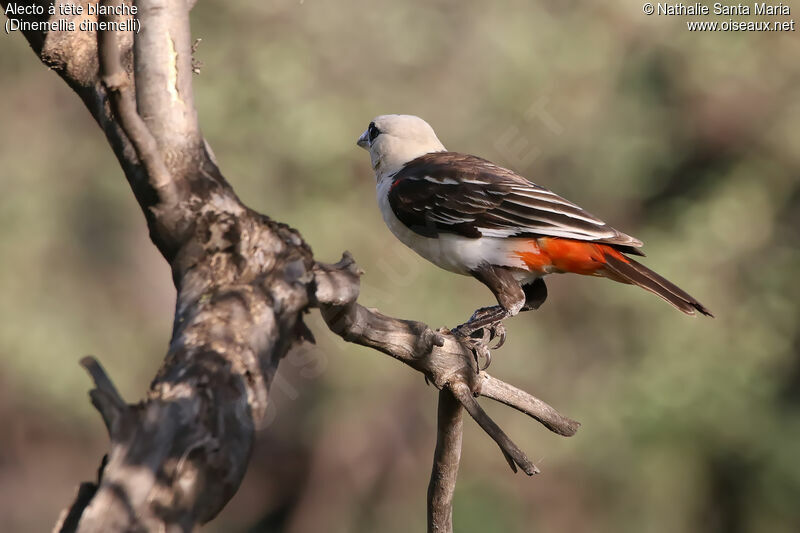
(449, 192)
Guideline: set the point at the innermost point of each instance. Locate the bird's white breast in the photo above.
(455, 253)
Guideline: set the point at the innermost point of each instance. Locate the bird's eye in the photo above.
(372, 131)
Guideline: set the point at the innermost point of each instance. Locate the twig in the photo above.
(450, 426)
(104, 396)
(123, 105)
(522, 401)
(511, 451)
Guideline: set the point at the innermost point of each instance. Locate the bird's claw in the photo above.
(479, 346)
(481, 349)
(479, 339)
(497, 331)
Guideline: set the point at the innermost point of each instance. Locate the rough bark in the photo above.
(243, 283)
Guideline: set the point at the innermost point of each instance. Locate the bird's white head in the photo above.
(394, 140)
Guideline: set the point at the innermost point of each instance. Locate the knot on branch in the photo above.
(338, 284)
(428, 340)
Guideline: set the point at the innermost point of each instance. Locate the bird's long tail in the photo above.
(598, 259)
(626, 270)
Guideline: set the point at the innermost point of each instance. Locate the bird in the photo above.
(470, 216)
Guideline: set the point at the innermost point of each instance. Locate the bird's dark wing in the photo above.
(448, 192)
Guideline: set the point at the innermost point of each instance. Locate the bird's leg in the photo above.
(488, 320)
(509, 294)
(480, 319)
(535, 294)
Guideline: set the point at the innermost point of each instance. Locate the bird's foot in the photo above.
(497, 331)
(480, 350)
(483, 327)
(488, 319)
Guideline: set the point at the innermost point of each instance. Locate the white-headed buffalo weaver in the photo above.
(472, 217)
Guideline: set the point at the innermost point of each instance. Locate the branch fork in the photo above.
(447, 361)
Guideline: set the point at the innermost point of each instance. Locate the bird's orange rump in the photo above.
(547, 254)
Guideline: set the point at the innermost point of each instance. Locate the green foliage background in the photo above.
(689, 141)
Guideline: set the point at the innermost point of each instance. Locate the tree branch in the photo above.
(446, 361)
(530, 405)
(511, 451)
(163, 69)
(123, 105)
(446, 458)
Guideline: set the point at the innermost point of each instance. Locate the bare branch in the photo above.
(446, 360)
(336, 290)
(123, 104)
(446, 458)
(511, 451)
(522, 401)
(164, 94)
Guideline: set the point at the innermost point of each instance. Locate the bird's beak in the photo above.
(363, 141)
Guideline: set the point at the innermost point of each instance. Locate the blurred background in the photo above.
(689, 141)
